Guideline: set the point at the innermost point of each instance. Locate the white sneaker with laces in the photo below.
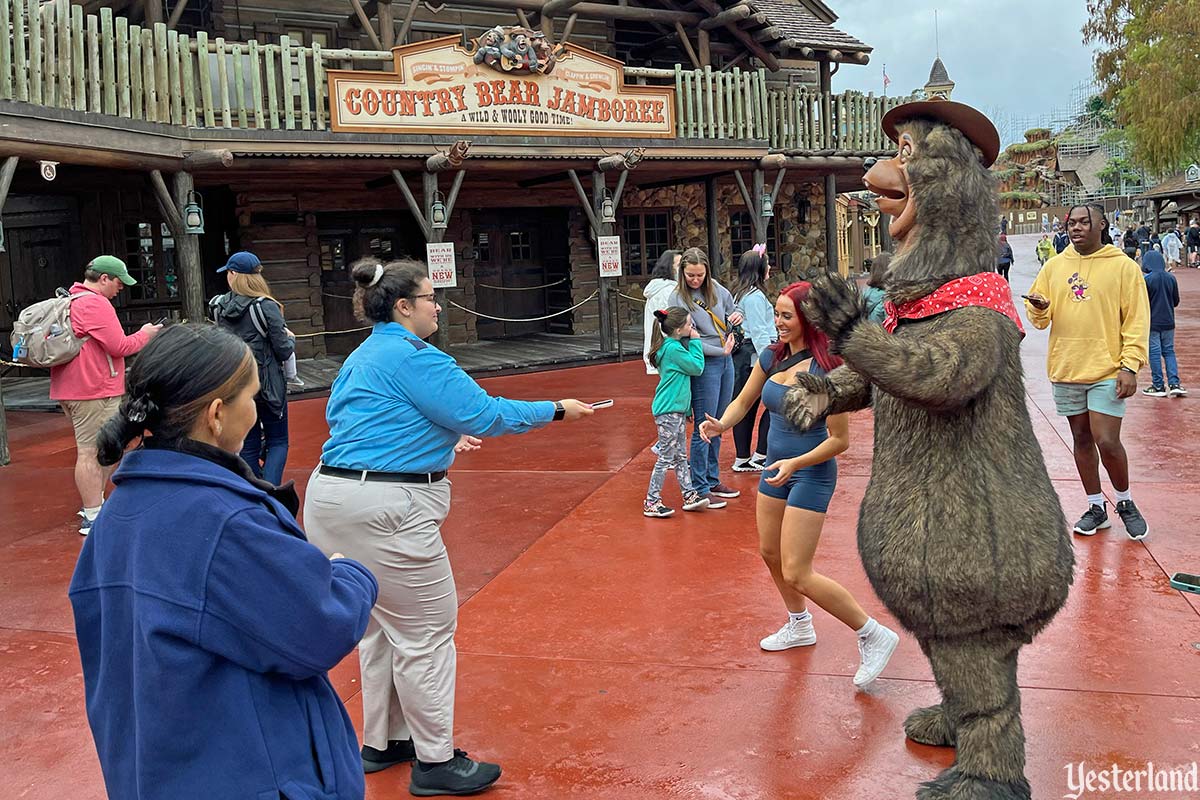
(794, 633)
(875, 650)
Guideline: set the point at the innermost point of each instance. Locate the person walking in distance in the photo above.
(678, 356)
(1163, 290)
(1094, 301)
(1004, 257)
(750, 293)
(89, 387)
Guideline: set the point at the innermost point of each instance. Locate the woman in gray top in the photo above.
(713, 313)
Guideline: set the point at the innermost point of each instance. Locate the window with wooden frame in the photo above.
(645, 234)
(150, 258)
(741, 236)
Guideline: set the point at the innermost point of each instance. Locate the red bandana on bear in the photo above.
(987, 289)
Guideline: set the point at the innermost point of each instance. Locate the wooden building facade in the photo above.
(114, 116)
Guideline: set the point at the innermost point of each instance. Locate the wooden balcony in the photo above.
(55, 56)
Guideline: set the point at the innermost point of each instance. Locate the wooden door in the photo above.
(514, 259)
(40, 258)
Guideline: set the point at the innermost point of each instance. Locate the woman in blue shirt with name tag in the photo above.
(398, 412)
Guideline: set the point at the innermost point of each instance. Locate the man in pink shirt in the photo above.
(89, 387)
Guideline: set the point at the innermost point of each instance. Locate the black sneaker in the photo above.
(398, 752)
(1093, 520)
(1175, 390)
(1154, 391)
(460, 775)
(1135, 523)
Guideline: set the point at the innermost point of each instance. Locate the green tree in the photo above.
(1149, 64)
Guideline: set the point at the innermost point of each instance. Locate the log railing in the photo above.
(54, 55)
(794, 120)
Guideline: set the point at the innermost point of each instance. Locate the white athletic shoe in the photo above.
(792, 634)
(875, 650)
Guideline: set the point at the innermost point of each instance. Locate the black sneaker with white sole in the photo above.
(1093, 520)
(458, 776)
(1175, 390)
(1135, 523)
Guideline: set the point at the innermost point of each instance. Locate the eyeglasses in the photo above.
(431, 297)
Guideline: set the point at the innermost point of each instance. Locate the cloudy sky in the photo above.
(1013, 60)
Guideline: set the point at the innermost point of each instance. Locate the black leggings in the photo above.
(1003, 269)
(743, 432)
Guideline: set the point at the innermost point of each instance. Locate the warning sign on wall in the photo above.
(610, 256)
(442, 271)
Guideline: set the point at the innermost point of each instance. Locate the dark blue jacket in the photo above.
(1061, 240)
(206, 624)
(1163, 290)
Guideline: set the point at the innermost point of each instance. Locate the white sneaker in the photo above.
(747, 465)
(792, 634)
(875, 650)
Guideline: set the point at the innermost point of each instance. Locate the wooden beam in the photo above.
(583, 200)
(387, 25)
(365, 23)
(687, 45)
(176, 13)
(165, 204)
(570, 26)
(351, 22)
(208, 158)
(548, 28)
(187, 245)
(406, 26)
(555, 7)
(703, 42)
(741, 184)
(413, 207)
(601, 11)
(6, 176)
(454, 187)
(778, 186)
(153, 13)
(731, 14)
(768, 60)
(523, 19)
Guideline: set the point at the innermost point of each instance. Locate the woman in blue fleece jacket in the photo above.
(206, 623)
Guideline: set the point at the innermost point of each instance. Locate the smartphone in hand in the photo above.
(602, 404)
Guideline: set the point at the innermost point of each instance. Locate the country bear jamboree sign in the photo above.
(507, 82)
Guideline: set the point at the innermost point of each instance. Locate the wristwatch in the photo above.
(1127, 369)
(559, 410)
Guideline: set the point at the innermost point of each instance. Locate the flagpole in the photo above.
(885, 80)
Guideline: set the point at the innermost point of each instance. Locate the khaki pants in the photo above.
(407, 655)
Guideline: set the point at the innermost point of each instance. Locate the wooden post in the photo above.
(406, 26)
(6, 176)
(607, 340)
(154, 13)
(756, 215)
(366, 24)
(714, 240)
(831, 245)
(429, 182)
(187, 246)
(702, 37)
(387, 25)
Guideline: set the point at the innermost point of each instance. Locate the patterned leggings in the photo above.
(672, 454)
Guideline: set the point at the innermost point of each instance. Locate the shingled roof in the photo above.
(803, 28)
(792, 28)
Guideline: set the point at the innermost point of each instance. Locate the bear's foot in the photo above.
(929, 726)
(954, 784)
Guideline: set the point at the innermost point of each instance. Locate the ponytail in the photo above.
(669, 320)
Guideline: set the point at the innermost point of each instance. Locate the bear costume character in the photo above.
(960, 532)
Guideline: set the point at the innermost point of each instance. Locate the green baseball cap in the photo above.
(111, 265)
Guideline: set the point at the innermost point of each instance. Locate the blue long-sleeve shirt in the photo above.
(759, 322)
(400, 405)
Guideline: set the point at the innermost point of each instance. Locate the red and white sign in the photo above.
(443, 273)
(610, 256)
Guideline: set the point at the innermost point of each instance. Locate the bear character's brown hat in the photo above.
(978, 129)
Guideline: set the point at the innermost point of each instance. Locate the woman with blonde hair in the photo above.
(249, 311)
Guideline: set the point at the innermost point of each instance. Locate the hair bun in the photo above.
(141, 410)
(660, 314)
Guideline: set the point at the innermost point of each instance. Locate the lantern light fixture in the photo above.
(437, 213)
(608, 211)
(193, 213)
(768, 205)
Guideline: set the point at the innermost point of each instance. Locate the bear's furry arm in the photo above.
(813, 397)
(942, 369)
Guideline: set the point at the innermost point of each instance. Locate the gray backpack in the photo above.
(42, 335)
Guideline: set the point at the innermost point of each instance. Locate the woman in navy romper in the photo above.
(795, 489)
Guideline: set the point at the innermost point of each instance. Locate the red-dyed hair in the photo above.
(816, 341)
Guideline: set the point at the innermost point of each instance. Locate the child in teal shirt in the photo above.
(677, 362)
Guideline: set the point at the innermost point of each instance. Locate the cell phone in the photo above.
(1185, 582)
(1026, 297)
(163, 321)
(602, 404)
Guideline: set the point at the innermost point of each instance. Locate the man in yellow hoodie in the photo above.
(1093, 298)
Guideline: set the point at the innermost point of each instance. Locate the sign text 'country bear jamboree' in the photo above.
(509, 81)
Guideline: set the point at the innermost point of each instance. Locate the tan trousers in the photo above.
(407, 654)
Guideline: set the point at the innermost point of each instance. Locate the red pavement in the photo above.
(605, 655)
